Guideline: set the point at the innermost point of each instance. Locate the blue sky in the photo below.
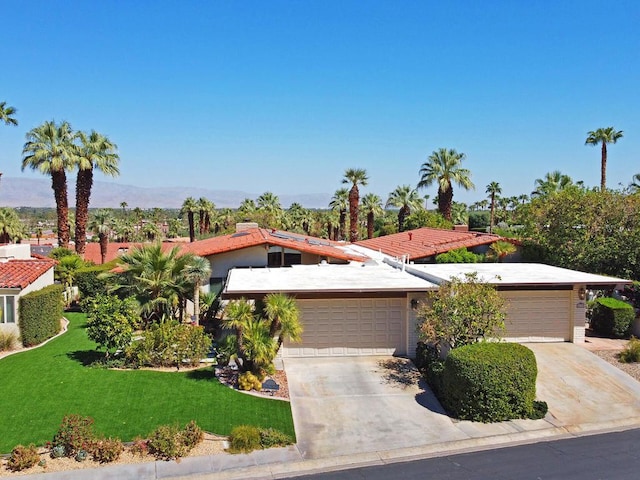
(284, 96)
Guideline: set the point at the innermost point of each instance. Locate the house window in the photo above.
(7, 309)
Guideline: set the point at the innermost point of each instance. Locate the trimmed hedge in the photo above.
(612, 317)
(40, 313)
(489, 382)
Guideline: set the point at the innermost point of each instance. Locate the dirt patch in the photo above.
(399, 372)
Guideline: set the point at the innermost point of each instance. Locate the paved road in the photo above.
(614, 456)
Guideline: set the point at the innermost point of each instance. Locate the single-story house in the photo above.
(20, 273)
(369, 308)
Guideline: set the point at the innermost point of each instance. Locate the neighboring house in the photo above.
(20, 273)
(423, 244)
(251, 246)
(116, 249)
(369, 308)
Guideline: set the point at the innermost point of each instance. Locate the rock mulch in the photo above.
(229, 377)
(611, 356)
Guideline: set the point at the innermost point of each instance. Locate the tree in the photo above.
(7, 114)
(443, 167)
(426, 218)
(50, 150)
(354, 176)
(501, 249)
(11, 227)
(634, 186)
(94, 152)
(339, 203)
(205, 209)
(552, 182)
(66, 271)
(197, 271)
(405, 198)
(461, 312)
(493, 189)
(190, 207)
(237, 316)
(372, 206)
(270, 209)
(101, 224)
(603, 136)
(110, 321)
(124, 206)
(283, 316)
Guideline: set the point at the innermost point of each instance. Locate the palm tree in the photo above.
(7, 114)
(197, 271)
(459, 213)
(493, 189)
(66, 271)
(524, 198)
(50, 150)
(205, 208)
(269, 206)
(354, 176)
(372, 206)
(284, 317)
(151, 231)
(603, 136)
(101, 223)
(247, 208)
(95, 151)
(339, 203)
(634, 186)
(190, 207)
(124, 206)
(11, 227)
(238, 314)
(552, 182)
(501, 249)
(443, 167)
(405, 198)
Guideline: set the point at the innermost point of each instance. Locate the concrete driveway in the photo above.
(353, 405)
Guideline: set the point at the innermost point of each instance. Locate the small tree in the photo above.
(461, 312)
(110, 321)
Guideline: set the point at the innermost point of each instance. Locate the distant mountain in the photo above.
(30, 192)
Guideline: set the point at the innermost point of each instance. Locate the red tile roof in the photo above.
(262, 236)
(115, 249)
(21, 273)
(425, 242)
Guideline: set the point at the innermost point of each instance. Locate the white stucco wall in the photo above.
(579, 314)
(246, 257)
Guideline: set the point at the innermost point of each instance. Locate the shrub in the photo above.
(40, 314)
(248, 381)
(540, 409)
(82, 455)
(58, 451)
(140, 447)
(489, 382)
(165, 442)
(90, 283)
(8, 341)
(244, 439)
(106, 450)
(429, 363)
(75, 433)
(192, 435)
(460, 255)
(110, 321)
(631, 352)
(22, 458)
(271, 437)
(613, 317)
(479, 220)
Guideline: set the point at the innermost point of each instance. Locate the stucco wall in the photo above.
(246, 257)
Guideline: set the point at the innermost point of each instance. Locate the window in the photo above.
(7, 309)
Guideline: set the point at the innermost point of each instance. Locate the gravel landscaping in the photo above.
(611, 356)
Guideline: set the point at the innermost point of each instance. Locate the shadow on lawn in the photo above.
(203, 374)
(86, 357)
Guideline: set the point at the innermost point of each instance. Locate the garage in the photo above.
(538, 315)
(350, 327)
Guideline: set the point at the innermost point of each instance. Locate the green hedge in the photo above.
(489, 382)
(89, 283)
(612, 317)
(40, 313)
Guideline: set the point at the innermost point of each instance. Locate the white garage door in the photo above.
(342, 327)
(538, 315)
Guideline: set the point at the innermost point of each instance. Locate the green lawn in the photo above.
(39, 387)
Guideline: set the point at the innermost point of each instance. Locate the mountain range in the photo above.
(33, 192)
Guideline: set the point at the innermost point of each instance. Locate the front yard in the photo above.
(41, 386)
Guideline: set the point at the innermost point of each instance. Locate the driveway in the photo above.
(343, 406)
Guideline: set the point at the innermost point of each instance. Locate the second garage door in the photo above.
(352, 326)
(538, 315)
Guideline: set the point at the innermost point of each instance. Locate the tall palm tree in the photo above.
(603, 136)
(50, 150)
(405, 198)
(205, 208)
(247, 208)
(524, 198)
(190, 207)
(284, 317)
(11, 227)
(102, 223)
(443, 167)
(7, 114)
(197, 271)
(493, 189)
(95, 152)
(339, 203)
(124, 206)
(237, 315)
(372, 206)
(634, 186)
(552, 182)
(271, 209)
(354, 176)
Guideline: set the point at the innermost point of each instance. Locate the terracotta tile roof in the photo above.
(115, 249)
(262, 236)
(425, 242)
(21, 273)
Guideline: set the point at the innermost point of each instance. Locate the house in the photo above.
(369, 308)
(20, 273)
(93, 254)
(423, 244)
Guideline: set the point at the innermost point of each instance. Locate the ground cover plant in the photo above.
(43, 385)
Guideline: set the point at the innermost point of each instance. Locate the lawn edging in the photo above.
(64, 324)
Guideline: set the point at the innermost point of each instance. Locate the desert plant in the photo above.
(8, 341)
(82, 455)
(248, 381)
(192, 435)
(631, 352)
(75, 433)
(106, 450)
(244, 439)
(271, 437)
(22, 458)
(139, 447)
(165, 442)
(58, 451)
